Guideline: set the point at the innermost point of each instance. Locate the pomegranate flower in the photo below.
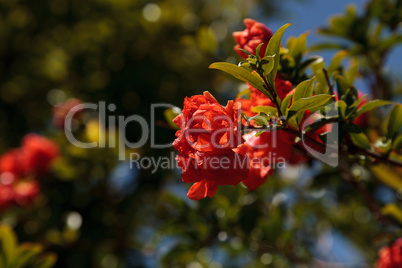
(249, 39)
(206, 142)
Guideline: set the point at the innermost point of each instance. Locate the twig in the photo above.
(331, 89)
(274, 95)
(351, 149)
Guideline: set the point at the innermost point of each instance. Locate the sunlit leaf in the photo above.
(312, 104)
(241, 74)
(265, 109)
(388, 176)
(304, 89)
(394, 121)
(8, 243)
(392, 210)
(337, 61)
(371, 105)
(360, 140)
(285, 103)
(273, 49)
(26, 252)
(171, 114)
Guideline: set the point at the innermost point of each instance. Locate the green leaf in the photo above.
(309, 61)
(360, 140)
(317, 68)
(337, 61)
(273, 49)
(342, 86)
(265, 109)
(372, 105)
(392, 210)
(26, 252)
(397, 144)
(294, 122)
(388, 176)
(352, 72)
(260, 119)
(313, 103)
(353, 128)
(268, 64)
(342, 108)
(322, 46)
(297, 46)
(47, 260)
(8, 243)
(350, 96)
(171, 114)
(245, 51)
(356, 103)
(257, 50)
(285, 103)
(394, 121)
(390, 41)
(304, 89)
(242, 74)
(244, 93)
(259, 132)
(353, 107)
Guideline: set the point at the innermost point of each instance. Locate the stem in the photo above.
(331, 89)
(274, 95)
(351, 150)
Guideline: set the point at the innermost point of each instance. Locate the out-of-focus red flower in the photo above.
(13, 162)
(18, 166)
(39, 153)
(208, 135)
(61, 110)
(361, 120)
(249, 39)
(25, 192)
(390, 256)
(6, 196)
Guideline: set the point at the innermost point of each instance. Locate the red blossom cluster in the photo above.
(21, 168)
(210, 133)
(390, 256)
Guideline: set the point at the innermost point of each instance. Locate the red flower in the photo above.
(39, 153)
(61, 110)
(25, 192)
(13, 162)
(390, 256)
(257, 98)
(361, 120)
(249, 39)
(18, 166)
(208, 135)
(6, 196)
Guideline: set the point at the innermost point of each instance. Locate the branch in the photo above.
(331, 89)
(351, 149)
